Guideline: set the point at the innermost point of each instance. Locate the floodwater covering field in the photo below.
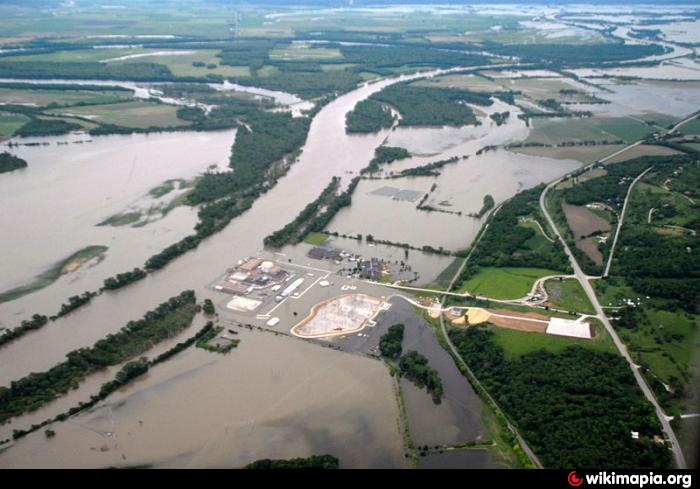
(273, 397)
(461, 187)
(75, 182)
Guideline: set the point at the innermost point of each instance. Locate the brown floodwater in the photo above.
(274, 397)
(271, 397)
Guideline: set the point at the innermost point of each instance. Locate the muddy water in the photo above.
(328, 152)
(271, 397)
(679, 99)
(54, 205)
(457, 419)
(461, 187)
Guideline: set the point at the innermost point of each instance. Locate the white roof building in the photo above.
(569, 327)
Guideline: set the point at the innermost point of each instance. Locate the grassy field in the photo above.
(504, 283)
(665, 342)
(61, 97)
(555, 131)
(130, 114)
(612, 292)
(181, 64)
(9, 123)
(691, 127)
(518, 343)
(688, 431)
(569, 295)
(316, 239)
(642, 150)
(584, 154)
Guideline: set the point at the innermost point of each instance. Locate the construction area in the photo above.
(345, 314)
(522, 321)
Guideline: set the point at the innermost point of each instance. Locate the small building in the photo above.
(324, 253)
(371, 269)
(250, 265)
(569, 327)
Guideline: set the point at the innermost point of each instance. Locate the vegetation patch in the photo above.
(415, 367)
(313, 462)
(427, 106)
(67, 265)
(568, 294)
(390, 343)
(576, 408)
(37, 389)
(209, 341)
(10, 163)
(504, 283)
(368, 116)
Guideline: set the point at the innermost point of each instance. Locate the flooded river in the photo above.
(302, 407)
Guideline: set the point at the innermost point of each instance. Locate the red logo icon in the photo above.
(574, 480)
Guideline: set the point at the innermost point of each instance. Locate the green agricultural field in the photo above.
(79, 55)
(9, 123)
(691, 127)
(181, 64)
(518, 343)
(584, 154)
(555, 131)
(43, 97)
(688, 431)
(625, 128)
(504, 283)
(130, 114)
(568, 294)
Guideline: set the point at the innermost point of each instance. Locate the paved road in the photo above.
(621, 220)
(583, 279)
(526, 448)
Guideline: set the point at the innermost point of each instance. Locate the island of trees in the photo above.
(390, 343)
(312, 462)
(368, 116)
(9, 162)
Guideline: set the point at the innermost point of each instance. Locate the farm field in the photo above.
(555, 131)
(9, 123)
(130, 114)
(584, 154)
(504, 283)
(42, 97)
(519, 343)
(180, 63)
